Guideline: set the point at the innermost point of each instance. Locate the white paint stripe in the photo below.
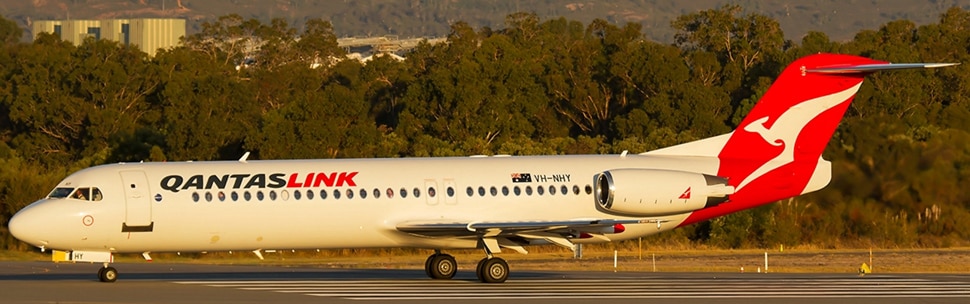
(631, 281)
(655, 297)
(666, 291)
(624, 288)
(600, 288)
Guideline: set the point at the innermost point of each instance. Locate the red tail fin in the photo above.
(777, 146)
(776, 150)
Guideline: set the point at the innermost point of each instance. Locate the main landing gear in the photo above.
(440, 266)
(107, 274)
(492, 270)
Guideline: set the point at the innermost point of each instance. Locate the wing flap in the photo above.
(556, 232)
(459, 228)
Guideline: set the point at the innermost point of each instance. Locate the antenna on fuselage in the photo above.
(244, 157)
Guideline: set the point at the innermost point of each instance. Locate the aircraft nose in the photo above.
(27, 226)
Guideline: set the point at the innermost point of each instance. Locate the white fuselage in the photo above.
(203, 216)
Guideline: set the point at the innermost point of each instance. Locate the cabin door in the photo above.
(138, 203)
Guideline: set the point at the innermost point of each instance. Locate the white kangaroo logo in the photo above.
(786, 128)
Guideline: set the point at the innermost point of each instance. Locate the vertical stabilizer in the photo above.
(776, 151)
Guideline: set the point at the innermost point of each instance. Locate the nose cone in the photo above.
(27, 225)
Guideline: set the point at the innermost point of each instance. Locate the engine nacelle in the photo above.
(651, 192)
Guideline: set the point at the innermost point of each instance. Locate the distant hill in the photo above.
(416, 18)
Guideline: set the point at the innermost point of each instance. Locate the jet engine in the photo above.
(653, 192)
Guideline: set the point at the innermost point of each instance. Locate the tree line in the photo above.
(555, 86)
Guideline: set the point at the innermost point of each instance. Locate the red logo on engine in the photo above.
(686, 194)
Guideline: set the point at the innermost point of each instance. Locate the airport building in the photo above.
(148, 34)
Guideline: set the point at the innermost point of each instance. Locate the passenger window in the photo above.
(469, 191)
(323, 194)
(417, 193)
(222, 196)
(564, 189)
(431, 192)
(285, 195)
(234, 196)
(528, 190)
(195, 196)
(259, 195)
(272, 195)
(404, 193)
(208, 196)
(309, 194)
(493, 191)
(377, 193)
(481, 191)
(552, 190)
(451, 192)
(540, 190)
(505, 190)
(247, 196)
(297, 195)
(390, 193)
(575, 189)
(589, 189)
(517, 191)
(363, 193)
(336, 194)
(350, 193)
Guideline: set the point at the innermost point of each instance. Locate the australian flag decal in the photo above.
(521, 178)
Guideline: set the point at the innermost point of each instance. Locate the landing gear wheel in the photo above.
(108, 274)
(494, 270)
(479, 270)
(442, 267)
(427, 265)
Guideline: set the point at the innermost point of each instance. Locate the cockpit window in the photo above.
(96, 194)
(83, 194)
(61, 192)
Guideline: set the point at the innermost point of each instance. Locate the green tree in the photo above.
(228, 41)
(740, 40)
(10, 32)
(331, 122)
(206, 111)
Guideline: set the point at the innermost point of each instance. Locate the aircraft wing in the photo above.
(516, 233)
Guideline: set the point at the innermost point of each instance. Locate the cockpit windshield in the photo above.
(60, 192)
(82, 193)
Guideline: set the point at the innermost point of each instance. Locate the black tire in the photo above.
(108, 274)
(480, 270)
(443, 267)
(427, 265)
(495, 270)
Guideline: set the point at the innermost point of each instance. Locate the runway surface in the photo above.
(43, 282)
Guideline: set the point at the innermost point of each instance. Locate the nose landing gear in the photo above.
(107, 274)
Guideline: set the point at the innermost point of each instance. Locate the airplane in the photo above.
(491, 203)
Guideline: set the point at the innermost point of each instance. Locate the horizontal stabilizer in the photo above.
(870, 68)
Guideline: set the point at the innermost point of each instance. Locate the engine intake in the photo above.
(652, 192)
